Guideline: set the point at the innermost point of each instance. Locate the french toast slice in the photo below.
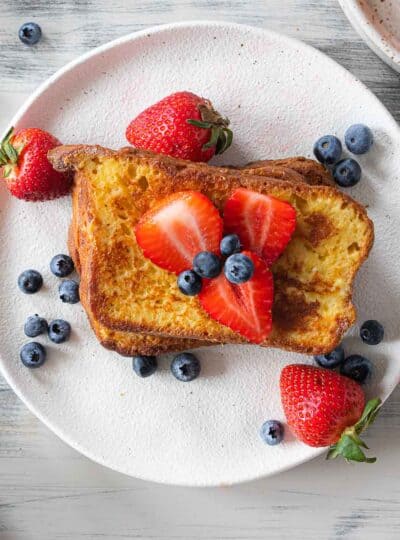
(313, 278)
(125, 343)
(297, 169)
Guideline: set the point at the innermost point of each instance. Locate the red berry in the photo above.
(264, 224)
(181, 125)
(179, 227)
(28, 173)
(245, 308)
(319, 404)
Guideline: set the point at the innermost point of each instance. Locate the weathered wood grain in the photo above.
(47, 490)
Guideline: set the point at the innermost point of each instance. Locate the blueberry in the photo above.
(357, 367)
(372, 332)
(347, 173)
(144, 366)
(189, 283)
(185, 367)
(238, 268)
(272, 432)
(61, 265)
(230, 244)
(33, 355)
(30, 281)
(69, 291)
(59, 331)
(331, 359)
(358, 139)
(207, 264)
(328, 149)
(35, 325)
(30, 33)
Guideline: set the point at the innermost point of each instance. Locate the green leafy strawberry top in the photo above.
(350, 445)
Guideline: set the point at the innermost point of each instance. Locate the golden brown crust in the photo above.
(217, 185)
(131, 343)
(125, 343)
(313, 172)
(320, 228)
(293, 169)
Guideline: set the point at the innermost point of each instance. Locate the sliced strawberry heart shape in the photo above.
(264, 224)
(174, 231)
(244, 308)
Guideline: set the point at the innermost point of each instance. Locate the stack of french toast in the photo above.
(135, 307)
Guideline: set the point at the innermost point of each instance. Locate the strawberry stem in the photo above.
(9, 153)
(221, 136)
(350, 445)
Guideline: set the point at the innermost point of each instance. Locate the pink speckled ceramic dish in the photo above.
(280, 96)
(378, 23)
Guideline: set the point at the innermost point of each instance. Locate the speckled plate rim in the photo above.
(369, 33)
(11, 380)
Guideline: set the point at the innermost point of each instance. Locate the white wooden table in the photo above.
(47, 490)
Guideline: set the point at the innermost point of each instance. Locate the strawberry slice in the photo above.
(244, 308)
(264, 224)
(178, 228)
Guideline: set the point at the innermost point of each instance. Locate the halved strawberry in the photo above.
(178, 228)
(264, 224)
(245, 308)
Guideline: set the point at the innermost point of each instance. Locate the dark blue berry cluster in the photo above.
(33, 354)
(237, 267)
(355, 366)
(328, 150)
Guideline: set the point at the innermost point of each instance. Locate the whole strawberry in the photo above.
(324, 408)
(25, 167)
(181, 125)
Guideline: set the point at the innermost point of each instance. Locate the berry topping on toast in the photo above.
(244, 308)
(264, 224)
(179, 227)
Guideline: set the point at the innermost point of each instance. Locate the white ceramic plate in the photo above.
(280, 96)
(378, 23)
